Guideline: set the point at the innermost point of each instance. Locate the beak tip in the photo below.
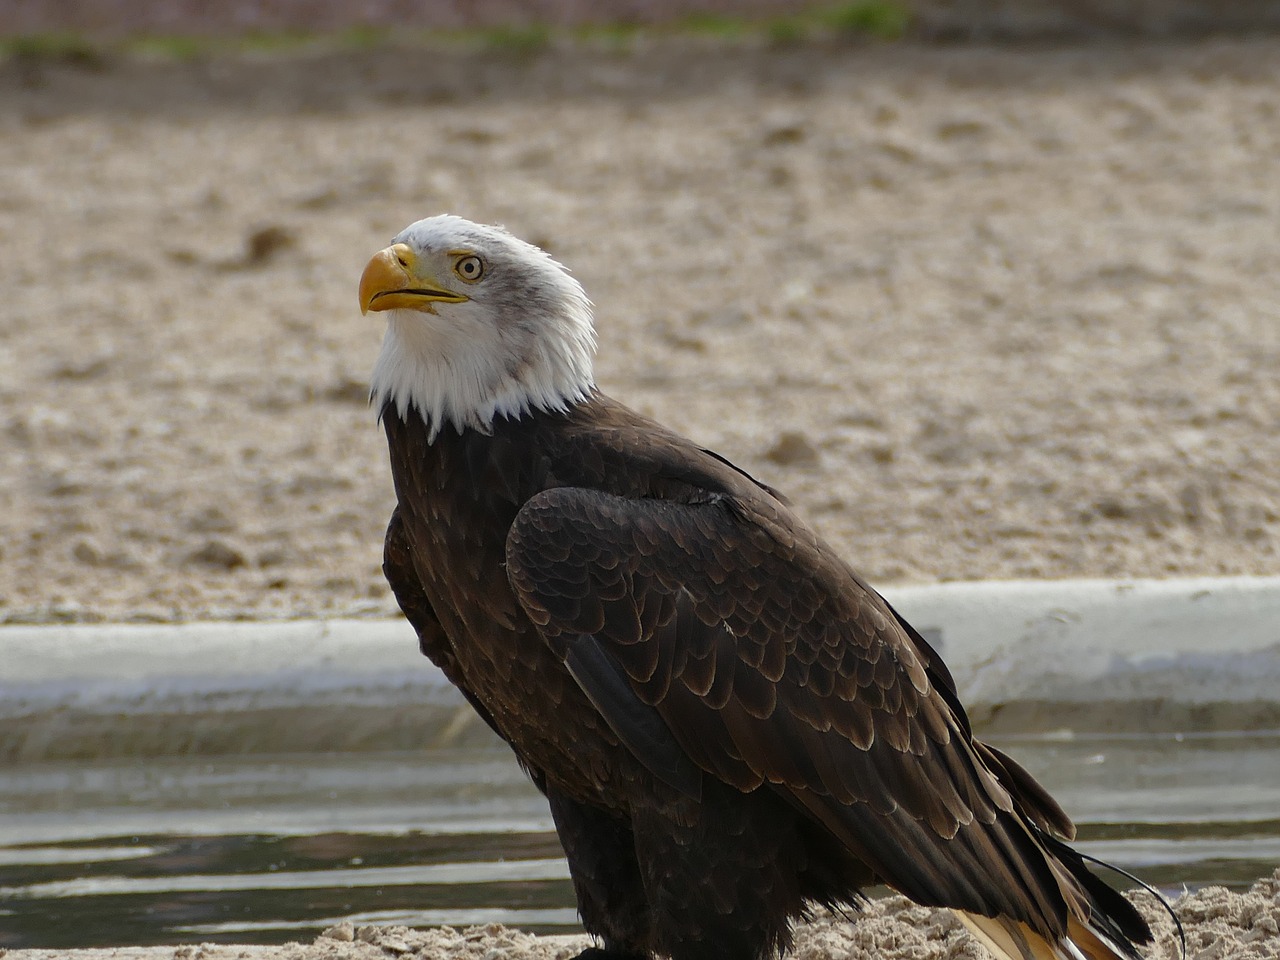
(383, 273)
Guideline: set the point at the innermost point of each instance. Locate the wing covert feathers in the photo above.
(728, 624)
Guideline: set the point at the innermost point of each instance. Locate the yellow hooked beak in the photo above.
(390, 282)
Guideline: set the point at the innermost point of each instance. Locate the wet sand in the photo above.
(1219, 925)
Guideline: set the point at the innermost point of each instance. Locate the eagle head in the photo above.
(480, 324)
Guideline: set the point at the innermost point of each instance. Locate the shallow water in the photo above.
(271, 849)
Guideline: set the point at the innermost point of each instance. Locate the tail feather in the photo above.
(1012, 940)
(1094, 944)
(1009, 939)
(1101, 924)
(1108, 914)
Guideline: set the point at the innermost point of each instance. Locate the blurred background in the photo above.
(990, 289)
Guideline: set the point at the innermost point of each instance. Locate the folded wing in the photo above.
(721, 638)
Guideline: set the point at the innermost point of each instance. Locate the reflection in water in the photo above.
(267, 888)
(270, 849)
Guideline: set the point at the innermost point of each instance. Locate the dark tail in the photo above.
(1101, 923)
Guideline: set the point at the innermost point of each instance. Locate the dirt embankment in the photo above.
(980, 311)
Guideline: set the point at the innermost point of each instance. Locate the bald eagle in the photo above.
(729, 724)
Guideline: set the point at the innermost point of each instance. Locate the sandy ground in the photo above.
(1219, 925)
(981, 312)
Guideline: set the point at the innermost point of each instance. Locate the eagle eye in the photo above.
(469, 268)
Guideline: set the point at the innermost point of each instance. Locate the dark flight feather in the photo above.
(636, 723)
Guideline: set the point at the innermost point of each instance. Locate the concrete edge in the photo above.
(1135, 653)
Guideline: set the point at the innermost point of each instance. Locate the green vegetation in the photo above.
(875, 19)
(618, 35)
(364, 38)
(713, 25)
(177, 48)
(785, 30)
(517, 39)
(52, 47)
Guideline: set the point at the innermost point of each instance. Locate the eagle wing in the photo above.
(720, 637)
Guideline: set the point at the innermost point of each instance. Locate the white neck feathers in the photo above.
(467, 367)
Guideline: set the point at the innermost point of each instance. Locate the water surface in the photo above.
(269, 849)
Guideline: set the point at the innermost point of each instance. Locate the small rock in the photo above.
(783, 128)
(793, 449)
(478, 136)
(264, 244)
(182, 256)
(210, 520)
(348, 389)
(217, 553)
(87, 552)
(962, 129)
(66, 485)
(882, 453)
(342, 931)
(1111, 508)
(861, 418)
(82, 368)
(273, 557)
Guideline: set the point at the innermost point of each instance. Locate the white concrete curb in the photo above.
(1078, 645)
(1202, 640)
(234, 664)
